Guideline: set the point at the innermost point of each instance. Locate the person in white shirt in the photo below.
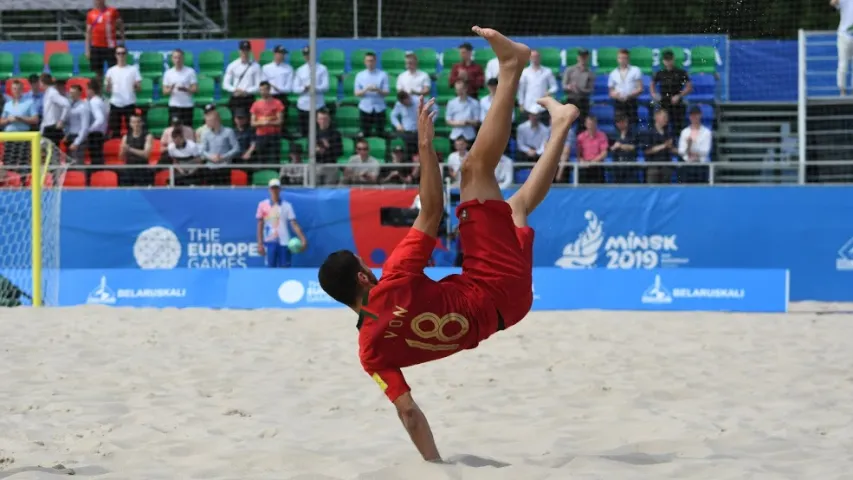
(536, 82)
(371, 86)
(462, 113)
(274, 216)
(98, 128)
(486, 102)
(302, 86)
(123, 81)
(242, 79)
(625, 84)
(504, 172)
(492, 69)
(845, 40)
(362, 168)
(55, 109)
(455, 159)
(77, 128)
(186, 156)
(279, 74)
(530, 138)
(694, 146)
(413, 81)
(180, 84)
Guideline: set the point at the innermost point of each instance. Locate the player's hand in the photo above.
(426, 118)
(261, 250)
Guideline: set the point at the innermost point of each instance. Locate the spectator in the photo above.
(578, 83)
(492, 69)
(245, 136)
(844, 41)
(55, 110)
(455, 160)
(166, 138)
(592, 149)
(624, 150)
(659, 148)
(102, 24)
(123, 81)
(371, 84)
(98, 128)
(467, 71)
(463, 114)
(186, 158)
(397, 174)
(36, 94)
(565, 155)
(361, 168)
(404, 117)
(294, 172)
(504, 172)
(302, 86)
(180, 84)
(134, 151)
(274, 215)
(413, 81)
(530, 138)
(219, 147)
(669, 87)
(329, 148)
(694, 146)
(267, 117)
(242, 79)
(625, 84)
(77, 129)
(486, 101)
(536, 82)
(280, 76)
(19, 115)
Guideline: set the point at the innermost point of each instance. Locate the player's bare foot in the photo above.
(510, 54)
(562, 115)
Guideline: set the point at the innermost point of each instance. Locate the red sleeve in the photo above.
(454, 74)
(254, 108)
(412, 254)
(90, 19)
(279, 107)
(479, 77)
(391, 381)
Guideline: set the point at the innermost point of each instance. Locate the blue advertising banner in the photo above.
(554, 289)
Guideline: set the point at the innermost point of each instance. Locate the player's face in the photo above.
(177, 58)
(265, 90)
(370, 62)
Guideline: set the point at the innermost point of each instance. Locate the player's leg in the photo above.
(843, 61)
(478, 169)
(534, 189)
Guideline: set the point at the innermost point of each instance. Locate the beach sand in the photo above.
(186, 394)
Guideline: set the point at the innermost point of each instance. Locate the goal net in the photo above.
(30, 203)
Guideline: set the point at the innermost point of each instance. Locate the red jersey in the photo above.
(408, 318)
(267, 109)
(476, 77)
(103, 27)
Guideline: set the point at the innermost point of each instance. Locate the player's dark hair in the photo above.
(95, 86)
(338, 276)
(264, 83)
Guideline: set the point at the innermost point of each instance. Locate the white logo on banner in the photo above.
(622, 251)
(157, 248)
(206, 249)
(102, 294)
(291, 291)
(845, 256)
(657, 293)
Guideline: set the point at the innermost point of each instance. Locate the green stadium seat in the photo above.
(206, 91)
(445, 91)
(441, 145)
(642, 58)
(703, 60)
(262, 178)
(145, 95)
(61, 65)
(482, 56)
(572, 56)
(267, 56)
(297, 59)
(356, 59)
(391, 98)
(347, 120)
(7, 65)
(348, 146)
(284, 151)
(151, 65)
(30, 63)
(302, 142)
(450, 57)
(158, 120)
(335, 61)
(292, 117)
(677, 55)
(551, 58)
(393, 61)
(83, 67)
(225, 116)
(349, 97)
(607, 59)
(396, 142)
(427, 60)
(378, 148)
(198, 117)
(331, 96)
(441, 127)
(211, 63)
(189, 59)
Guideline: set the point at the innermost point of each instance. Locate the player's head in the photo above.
(668, 58)
(178, 57)
(136, 123)
(345, 277)
(265, 89)
(17, 88)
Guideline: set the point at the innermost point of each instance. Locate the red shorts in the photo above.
(497, 256)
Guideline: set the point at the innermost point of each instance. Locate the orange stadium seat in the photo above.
(82, 82)
(156, 151)
(75, 179)
(161, 178)
(24, 82)
(111, 152)
(239, 178)
(10, 180)
(104, 179)
(48, 181)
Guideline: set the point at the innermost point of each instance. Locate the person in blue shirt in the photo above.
(18, 116)
(371, 85)
(404, 118)
(36, 95)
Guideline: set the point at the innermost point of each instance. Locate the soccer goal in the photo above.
(32, 174)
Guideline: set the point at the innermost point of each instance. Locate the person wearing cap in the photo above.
(467, 70)
(578, 83)
(219, 147)
(397, 174)
(302, 86)
(245, 136)
(242, 79)
(412, 80)
(536, 82)
(166, 137)
(280, 76)
(267, 117)
(669, 87)
(274, 216)
(694, 146)
(180, 84)
(371, 86)
(293, 173)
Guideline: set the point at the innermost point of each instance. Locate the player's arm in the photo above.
(431, 190)
(417, 426)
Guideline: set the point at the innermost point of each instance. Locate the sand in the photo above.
(185, 394)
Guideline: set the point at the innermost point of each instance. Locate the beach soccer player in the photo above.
(406, 318)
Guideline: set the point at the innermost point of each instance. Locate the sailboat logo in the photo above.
(102, 294)
(657, 293)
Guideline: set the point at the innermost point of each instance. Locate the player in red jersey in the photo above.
(406, 318)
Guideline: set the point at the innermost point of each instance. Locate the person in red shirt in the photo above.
(405, 318)
(467, 70)
(267, 117)
(102, 25)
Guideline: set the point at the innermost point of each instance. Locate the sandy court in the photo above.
(180, 394)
